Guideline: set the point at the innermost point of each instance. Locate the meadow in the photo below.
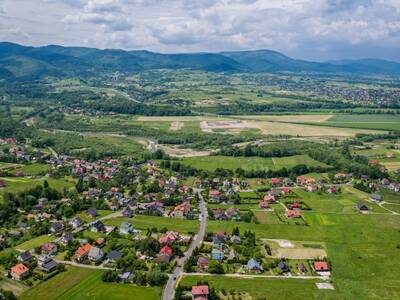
(82, 283)
(17, 184)
(249, 163)
(35, 242)
(143, 222)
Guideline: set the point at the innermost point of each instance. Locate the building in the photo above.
(83, 251)
(292, 214)
(217, 254)
(46, 263)
(95, 254)
(200, 292)
(98, 226)
(19, 272)
(24, 257)
(361, 207)
(214, 195)
(284, 268)
(49, 249)
(126, 228)
(76, 222)
(66, 238)
(92, 212)
(113, 255)
(254, 266)
(202, 263)
(376, 197)
(321, 267)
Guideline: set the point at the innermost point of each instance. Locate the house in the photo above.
(125, 228)
(217, 254)
(169, 238)
(19, 272)
(56, 228)
(254, 266)
(284, 268)
(276, 181)
(300, 180)
(166, 250)
(200, 292)
(113, 255)
(295, 206)
(332, 190)
(264, 204)
(232, 255)
(161, 259)
(311, 188)
(286, 190)
(98, 226)
(66, 238)
(95, 254)
(181, 210)
(92, 212)
(124, 277)
(46, 263)
(236, 239)
(24, 257)
(49, 249)
(321, 267)
(202, 263)
(302, 268)
(83, 251)
(376, 197)
(290, 214)
(274, 193)
(361, 207)
(76, 222)
(127, 212)
(214, 195)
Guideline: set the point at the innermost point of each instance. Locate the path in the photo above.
(169, 290)
(249, 276)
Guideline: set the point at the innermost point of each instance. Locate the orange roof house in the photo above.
(19, 271)
(83, 251)
(321, 266)
(292, 214)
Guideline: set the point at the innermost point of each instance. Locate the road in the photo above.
(169, 290)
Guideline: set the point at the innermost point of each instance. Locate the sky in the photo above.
(316, 30)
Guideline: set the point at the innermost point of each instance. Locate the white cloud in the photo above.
(313, 29)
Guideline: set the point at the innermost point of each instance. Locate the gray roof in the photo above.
(114, 255)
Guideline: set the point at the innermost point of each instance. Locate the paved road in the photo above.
(249, 276)
(169, 290)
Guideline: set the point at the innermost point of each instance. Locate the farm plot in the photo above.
(249, 163)
(296, 249)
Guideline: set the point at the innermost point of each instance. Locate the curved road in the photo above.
(169, 290)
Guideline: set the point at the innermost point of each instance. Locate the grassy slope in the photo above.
(248, 163)
(81, 283)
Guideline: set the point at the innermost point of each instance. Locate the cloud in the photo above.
(310, 29)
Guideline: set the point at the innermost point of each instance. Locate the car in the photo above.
(174, 278)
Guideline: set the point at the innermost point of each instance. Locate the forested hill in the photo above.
(20, 62)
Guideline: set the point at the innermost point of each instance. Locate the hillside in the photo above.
(20, 62)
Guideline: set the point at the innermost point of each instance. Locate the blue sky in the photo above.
(308, 29)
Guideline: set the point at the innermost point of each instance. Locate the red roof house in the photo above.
(321, 266)
(19, 272)
(200, 292)
(166, 250)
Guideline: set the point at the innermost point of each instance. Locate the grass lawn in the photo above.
(393, 207)
(11, 285)
(35, 242)
(390, 196)
(248, 163)
(144, 222)
(17, 184)
(266, 217)
(82, 283)
(33, 169)
(100, 213)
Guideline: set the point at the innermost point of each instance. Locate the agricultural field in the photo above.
(33, 169)
(83, 283)
(147, 222)
(17, 184)
(249, 163)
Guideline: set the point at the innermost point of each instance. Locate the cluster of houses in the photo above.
(226, 214)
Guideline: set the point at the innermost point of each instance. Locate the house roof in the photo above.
(19, 269)
(83, 250)
(114, 255)
(321, 266)
(48, 247)
(200, 290)
(166, 250)
(95, 252)
(26, 255)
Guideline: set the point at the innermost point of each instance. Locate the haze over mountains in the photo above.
(21, 62)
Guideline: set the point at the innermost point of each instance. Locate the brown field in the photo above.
(290, 118)
(392, 166)
(294, 250)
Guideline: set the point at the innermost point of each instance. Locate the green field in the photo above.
(144, 222)
(81, 283)
(17, 184)
(263, 288)
(33, 169)
(376, 122)
(35, 242)
(249, 163)
(100, 213)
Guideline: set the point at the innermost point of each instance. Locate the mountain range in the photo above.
(22, 62)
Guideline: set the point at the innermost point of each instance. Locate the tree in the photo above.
(215, 267)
